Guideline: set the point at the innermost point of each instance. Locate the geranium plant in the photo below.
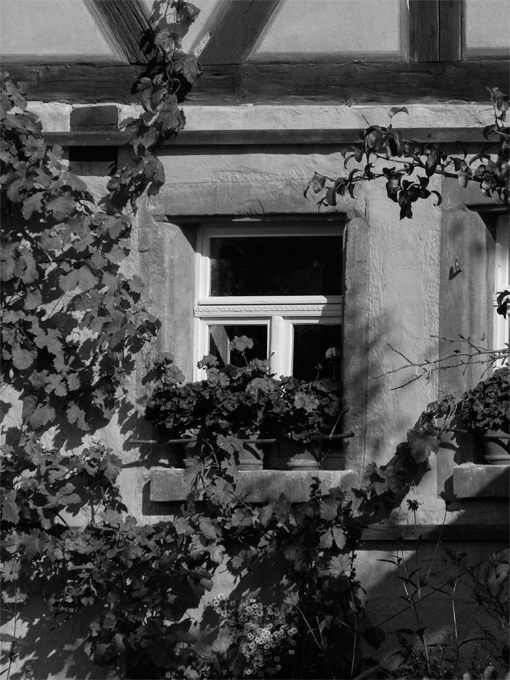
(304, 410)
(231, 401)
(243, 402)
(487, 406)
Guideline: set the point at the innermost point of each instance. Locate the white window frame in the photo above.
(279, 313)
(502, 280)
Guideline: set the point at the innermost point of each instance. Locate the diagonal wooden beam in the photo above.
(124, 23)
(238, 25)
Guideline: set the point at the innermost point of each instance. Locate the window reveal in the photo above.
(502, 280)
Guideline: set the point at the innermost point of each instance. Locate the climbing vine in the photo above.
(408, 180)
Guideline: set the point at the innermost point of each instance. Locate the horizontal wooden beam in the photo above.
(277, 83)
(267, 137)
(77, 83)
(435, 532)
(350, 83)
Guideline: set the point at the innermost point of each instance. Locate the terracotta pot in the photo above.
(496, 447)
(191, 448)
(295, 455)
(251, 457)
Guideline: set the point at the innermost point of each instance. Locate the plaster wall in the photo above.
(52, 28)
(333, 26)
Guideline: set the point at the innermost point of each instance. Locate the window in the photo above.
(502, 280)
(279, 283)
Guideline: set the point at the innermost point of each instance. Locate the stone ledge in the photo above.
(257, 486)
(481, 481)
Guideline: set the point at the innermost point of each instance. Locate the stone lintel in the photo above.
(257, 486)
(481, 481)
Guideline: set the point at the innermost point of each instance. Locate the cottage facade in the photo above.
(231, 246)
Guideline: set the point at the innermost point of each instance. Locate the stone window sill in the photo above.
(481, 481)
(257, 486)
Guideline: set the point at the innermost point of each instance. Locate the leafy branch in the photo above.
(472, 354)
(418, 162)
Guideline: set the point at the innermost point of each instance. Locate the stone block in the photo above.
(94, 118)
(481, 481)
(257, 486)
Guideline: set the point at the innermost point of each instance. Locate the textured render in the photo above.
(258, 486)
(286, 117)
(376, 31)
(476, 481)
(51, 29)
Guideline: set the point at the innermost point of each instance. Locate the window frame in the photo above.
(501, 335)
(279, 312)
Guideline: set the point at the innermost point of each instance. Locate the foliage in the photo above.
(72, 325)
(418, 162)
(487, 405)
(242, 401)
(231, 401)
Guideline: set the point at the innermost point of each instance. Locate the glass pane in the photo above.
(310, 345)
(220, 338)
(276, 265)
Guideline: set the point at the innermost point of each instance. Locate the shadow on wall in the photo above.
(442, 600)
(48, 650)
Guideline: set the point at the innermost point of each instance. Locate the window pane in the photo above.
(220, 338)
(310, 345)
(278, 265)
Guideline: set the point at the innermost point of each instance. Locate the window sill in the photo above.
(481, 481)
(257, 486)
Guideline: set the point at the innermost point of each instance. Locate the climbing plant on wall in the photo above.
(414, 163)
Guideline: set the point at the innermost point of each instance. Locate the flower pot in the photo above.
(251, 457)
(294, 455)
(496, 447)
(191, 448)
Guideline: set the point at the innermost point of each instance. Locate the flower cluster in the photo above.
(261, 637)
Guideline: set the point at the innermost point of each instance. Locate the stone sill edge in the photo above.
(481, 481)
(168, 485)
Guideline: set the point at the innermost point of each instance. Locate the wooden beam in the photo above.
(450, 35)
(77, 83)
(236, 31)
(350, 83)
(424, 30)
(124, 22)
(435, 532)
(260, 83)
(289, 137)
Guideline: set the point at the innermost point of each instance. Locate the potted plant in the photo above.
(236, 405)
(486, 410)
(224, 410)
(301, 414)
